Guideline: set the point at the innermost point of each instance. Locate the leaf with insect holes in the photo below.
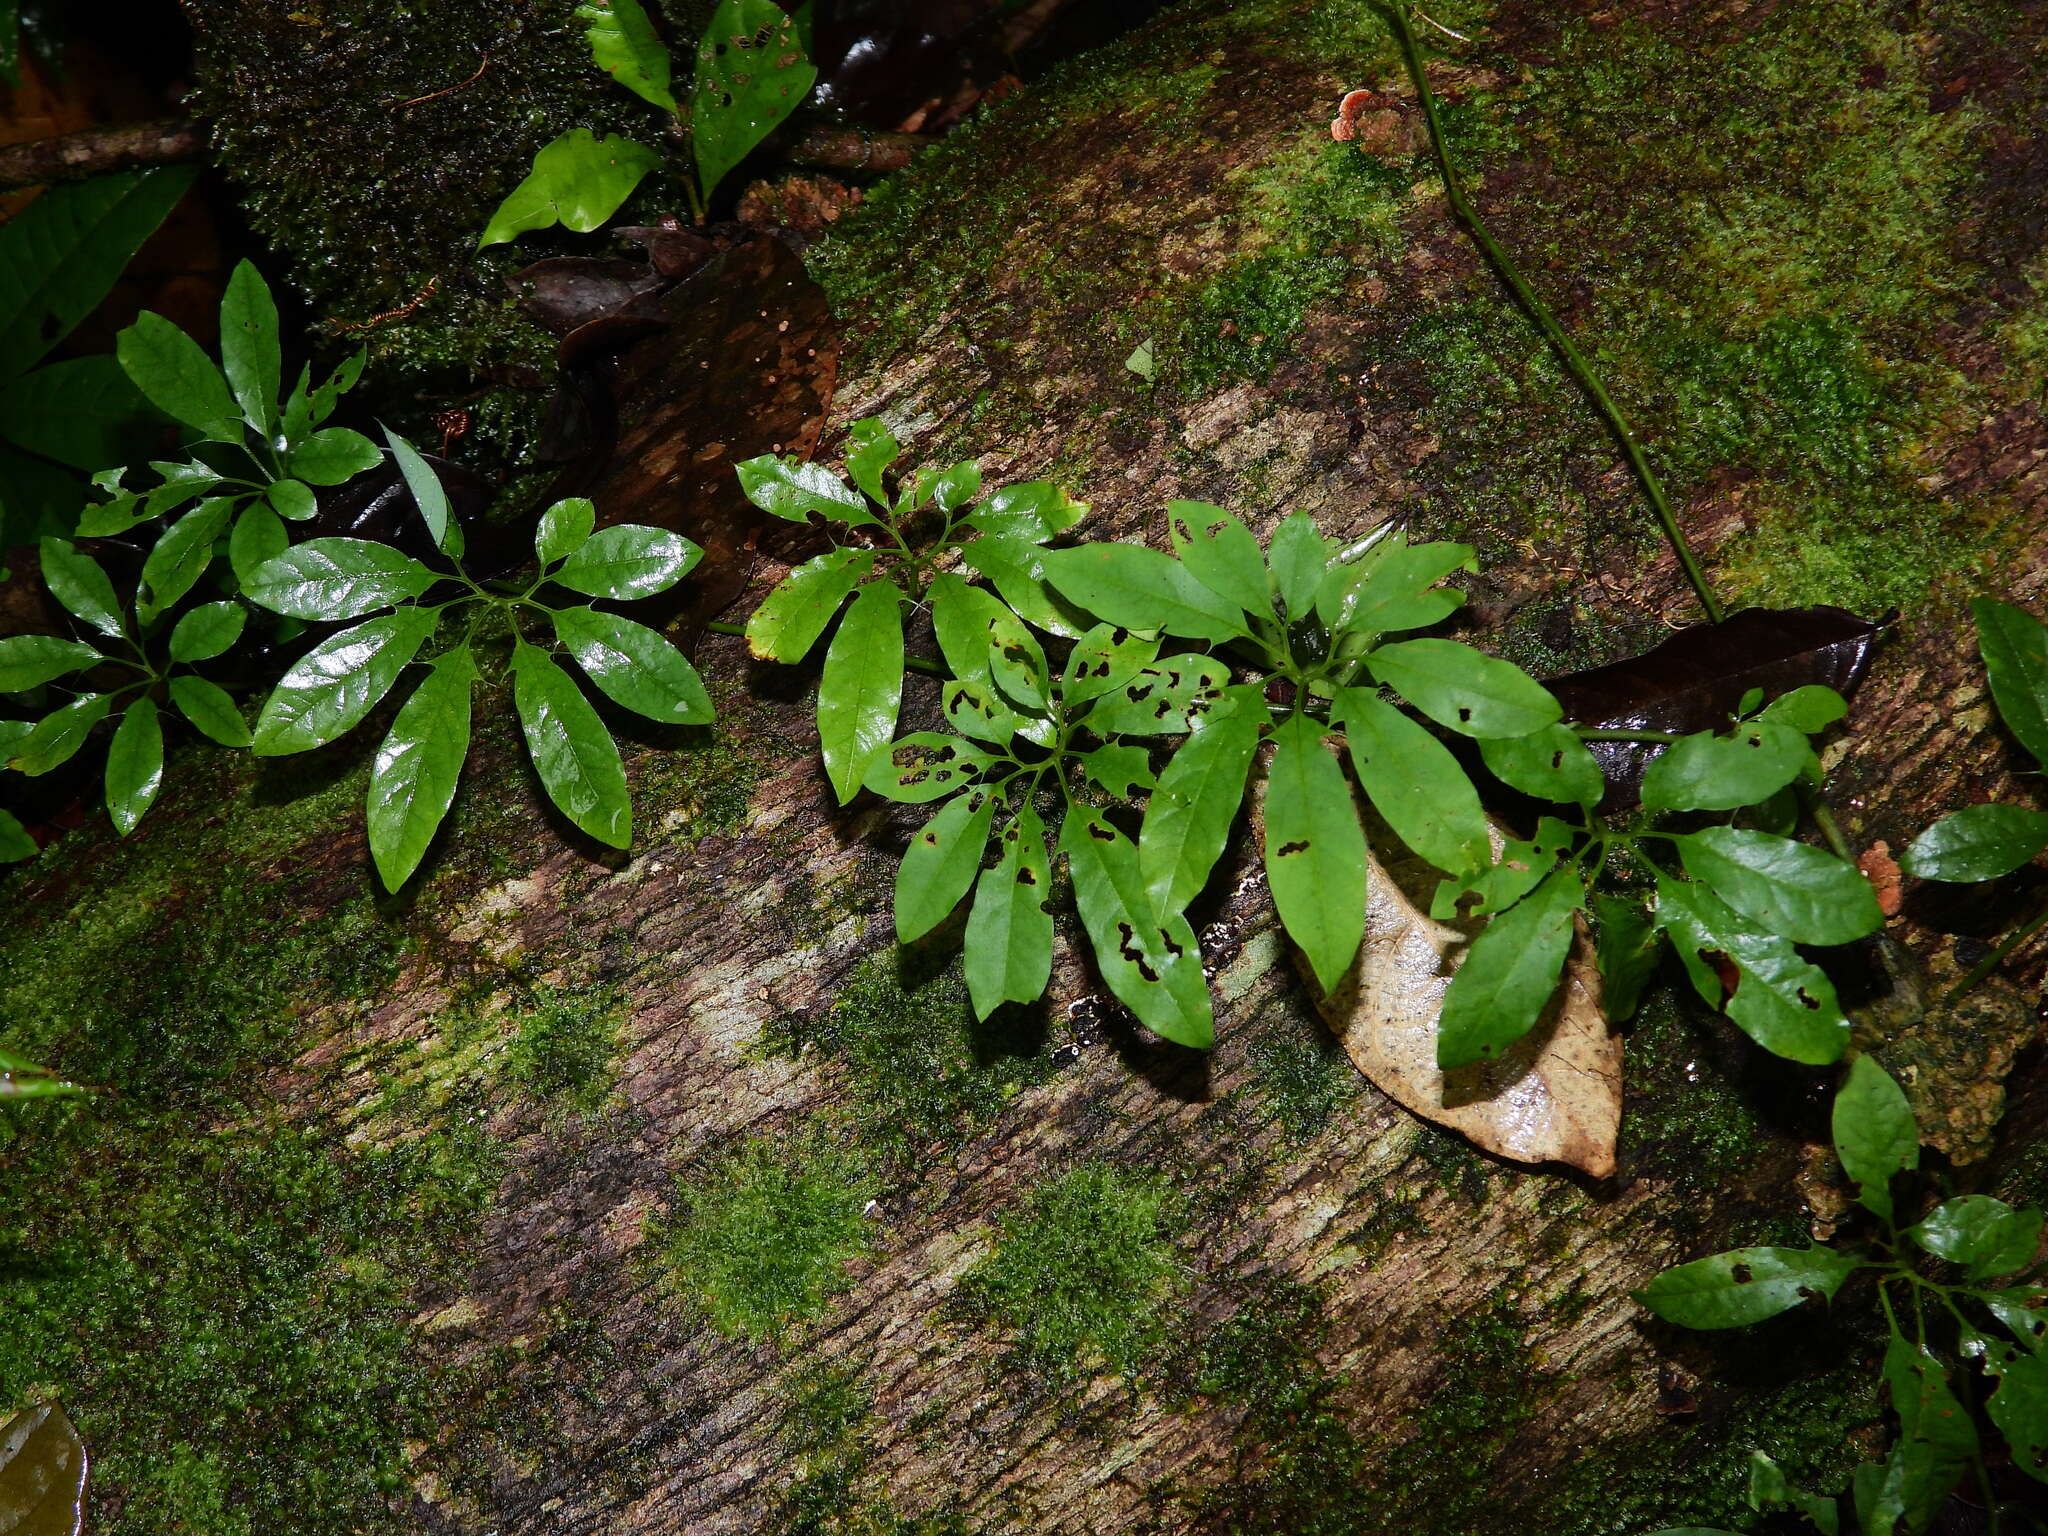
(1396, 588)
(1782, 1000)
(418, 766)
(1745, 1285)
(1875, 1134)
(1299, 558)
(751, 74)
(1463, 689)
(1551, 764)
(578, 180)
(575, 756)
(1979, 842)
(984, 642)
(1163, 699)
(861, 688)
(1033, 511)
(795, 491)
(1220, 553)
(1148, 959)
(1103, 659)
(2019, 1408)
(1510, 974)
(1314, 850)
(872, 448)
(943, 858)
(1709, 772)
(1008, 955)
(925, 766)
(1016, 569)
(626, 47)
(1806, 894)
(1190, 814)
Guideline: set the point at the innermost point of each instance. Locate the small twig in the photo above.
(96, 151)
(1575, 363)
(340, 327)
(446, 89)
(1447, 32)
(1998, 956)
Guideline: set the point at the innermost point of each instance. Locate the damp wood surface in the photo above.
(1805, 244)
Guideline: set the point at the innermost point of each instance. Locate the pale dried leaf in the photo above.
(42, 1474)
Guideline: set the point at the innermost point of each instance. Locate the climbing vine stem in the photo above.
(1574, 361)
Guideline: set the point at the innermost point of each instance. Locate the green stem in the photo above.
(1824, 817)
(915, 663)
(1575, 363)
(1663, 738)
(1998, 956)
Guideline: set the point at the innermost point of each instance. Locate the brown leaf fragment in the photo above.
(1554, 1096)
(1882, 871)
(42, 1474)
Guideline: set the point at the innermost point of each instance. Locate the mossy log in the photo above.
(664, 1194)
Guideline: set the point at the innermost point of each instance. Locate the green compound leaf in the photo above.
(1745, 1285)
(418, 765)
(2015, 648)
(1806, 894)
(1782, 1001)
(78, 412)
(1315, 850)
(1518, 870)
(1119, 769)
(258, 537)
(1031, 511)
(1148, 959)
(1464, 690)
(925, 766)
(1413, 781)
(1221, 553)
(1986, 1236)
(1009, 928)
(177, 377)
(578, 180)
(208, 631)
(248, 347)
(862, 687)
(1140, 588)
(135, 765)
(1874, 1132)
(943, 858)
(428, 494)
(29, 661)
(337, 579)
(563, 528)
(634, 666)
(626, 47)
(977, 710)
(1104, 658)
(1551, 764)
(180, 557)
(210, 709)
(626, 561)
(1163, 699)
(790, 619)
(327, 691)
(1979, 842)
(333, 455)
(575, 756)
(76, 580)
(1510, 974)
(1016, 569)
(984, 642)
(1396, 588)
(1189, 817)
(751, 74)
(1706, 772)
(1299, 558)
(1629, 946)
(59, 734)
(2019, 1408)
(792, 490)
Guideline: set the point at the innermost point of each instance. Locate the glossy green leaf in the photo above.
(177, 377)
(328, 690)
(2015, 649)
(2019, 1408)
(1163, 699)
(1806, 894)
(1413, 781)
(258, 537)
(1979, 842)
(210, 709)
(291, 499)
(1190, 814)
(871, 449)
(1031, 511)
(984, 641)
(135, 764)
(59, 734)
(1314, 850)
(248, 347)
(207, 631)
(42, 1464)
(1465, 690)
(1104, 658)
(1119, 769)
(943, 858)
(123, 509)
(2019, 1311)
(575, 756)
(1399, 589)
(1510, 973)
(1516, 871)
(1220, 553)
(1782, 1000)
(751, 74)
(428, 494)
(1016, 569)
(634, 666)
(63, 253)
(1140, 588)
(925, 766)
(80, 412)
(1937, 1440)
(1874, 1133)
(1629, 945)
(418, 765)
(76, 580)
(790, 489)
(564, 528)
(978, 711)
(333, 455)
(956, 485)
(578, 180)
(1986, 1236)
(1008, 956)
(1745, 1285)
(862, 687)
(626, 47)
(180, 556)
(626, 561)
(1706, 772)
(790, 618)
(1148, 959)
(1811, 709)
(29, 661)
(1551, 764)
(337, 579)
(1298, 557)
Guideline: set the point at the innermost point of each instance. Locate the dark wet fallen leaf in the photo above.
(1695, 680)
(377, 506)
(676, 252)
(565, 292)
(42, 1474)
